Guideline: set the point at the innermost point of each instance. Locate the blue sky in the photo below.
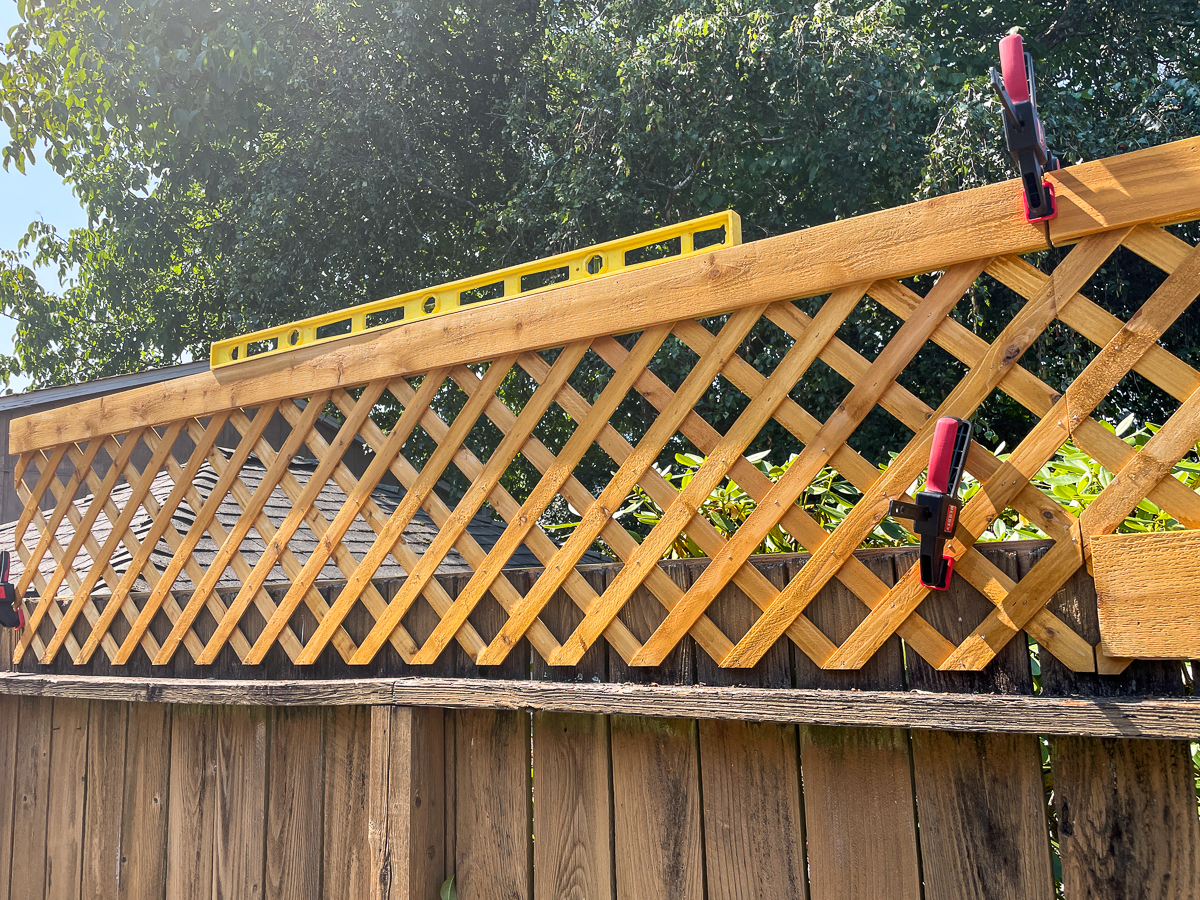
(38, 194)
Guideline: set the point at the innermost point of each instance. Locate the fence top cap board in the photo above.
(511, 399)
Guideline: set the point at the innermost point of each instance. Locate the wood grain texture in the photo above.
(1144, 716)
(656, 809)
(106, 762)
(858, 806)
(750, 772)
(30, 799)
(347, 767)
(450, 847)
(240, 803)
(493, 853)
(982, 811)
(1148, 594)
(1126, 810)
(406, 802)
(858, 793)
(572, 815)
(9, 736)
(295, 804)
(192, 806)
(1127, 820)
(980, 799)
(753, 826)
(67, 795)
(1093, 197)
(145, 819)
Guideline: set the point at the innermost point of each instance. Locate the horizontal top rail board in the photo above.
(1162, 718)
(1158, 185)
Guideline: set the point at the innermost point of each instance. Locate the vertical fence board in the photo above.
(658, 834)
(980, 797)
(750, 774)
(494, 857)
(68, 788)
(295, 804)
(981, 805)
(347, 763)
(656, 809)
(105, 795)
(31, 801)
(1127, 819)
(450, 768)
(493, 820)
(191, 808)
(145, 807)
(240, 802)
(571, 817)
(572, 812)
(10, 733)
(407, 803)
(752, 819)
(858, 795)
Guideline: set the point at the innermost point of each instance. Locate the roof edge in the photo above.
(85, 389)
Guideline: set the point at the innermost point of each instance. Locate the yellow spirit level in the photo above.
(636, 252)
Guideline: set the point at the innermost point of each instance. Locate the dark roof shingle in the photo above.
(419, 533)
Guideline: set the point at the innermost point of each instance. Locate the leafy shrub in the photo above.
(1071, 477)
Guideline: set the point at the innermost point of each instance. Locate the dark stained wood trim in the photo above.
(1133, 717)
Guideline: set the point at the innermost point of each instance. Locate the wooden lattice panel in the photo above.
(509, 381)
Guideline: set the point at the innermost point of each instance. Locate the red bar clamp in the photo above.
(935, 513)
(12, 614)
(1023, 131)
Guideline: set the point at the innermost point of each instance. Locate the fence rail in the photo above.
(579, 352)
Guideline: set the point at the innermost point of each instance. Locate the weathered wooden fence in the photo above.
(636, 791)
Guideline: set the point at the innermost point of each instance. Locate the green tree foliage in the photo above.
(247, 162)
